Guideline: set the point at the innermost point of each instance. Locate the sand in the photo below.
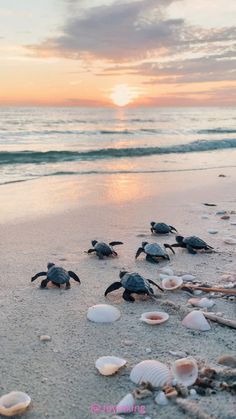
(55, 220)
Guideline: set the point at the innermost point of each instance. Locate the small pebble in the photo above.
(45, 338)
(163, 276)
(197, 292)
(233, 223)
(128, 342)
(221, 212)
(212, 231)
(227, 360)
(167, 271)
(193, 394)
(205, 217)
(229, 240)
(161, 399)
(225, 217)
(232, 212)
(148, 350)
(188, 278)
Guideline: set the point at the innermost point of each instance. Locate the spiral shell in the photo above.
(109, 365)
(103, 313)
(150, 371)
(154, 317)
(14, 403)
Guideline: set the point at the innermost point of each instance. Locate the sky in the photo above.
(118, 53)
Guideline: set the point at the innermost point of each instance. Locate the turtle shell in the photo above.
(135, 283)
(195, 242)
(58, 275)
(161, 228)
(154, 249)
(103, 248)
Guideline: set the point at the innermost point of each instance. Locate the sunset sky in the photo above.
(106, 52)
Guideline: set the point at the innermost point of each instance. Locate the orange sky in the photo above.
(160, 52)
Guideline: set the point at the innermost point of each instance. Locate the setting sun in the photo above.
(122, 95)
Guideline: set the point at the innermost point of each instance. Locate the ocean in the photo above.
(38, 142)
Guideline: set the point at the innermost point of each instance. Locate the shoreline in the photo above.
(56, 222)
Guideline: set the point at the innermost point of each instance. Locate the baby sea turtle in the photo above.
(153, 252)
(191, 243)
(132, 283)
(162, 228)
(102, 249)
(56, 275)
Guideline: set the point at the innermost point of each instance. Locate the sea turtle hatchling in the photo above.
(191, 243)
(56, 275)
(102, 249)
(153, 252)
(132, 283)
(162, 228)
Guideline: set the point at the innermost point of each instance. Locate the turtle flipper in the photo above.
(191, 249)
(173, 229)
(169, 246)
(113, 287)
(115, 243)
(68, 285)
(91, 250)
(44, 283)
(128, 297)
(74, 276)
(37, 275)
(151, 259)
(153, 283)
(139, 251)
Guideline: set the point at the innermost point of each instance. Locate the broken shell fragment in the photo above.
(161, 399)
(154, 317)
(109, 365)
(172, 283)
(14, 403)
(196, 321)
(150, 371)
(103, 313)
(126, 404)
(185, 370)
(201, 302)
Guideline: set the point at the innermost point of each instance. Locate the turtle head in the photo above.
(122, 273)
(94, 242)
(50, 264)
(144, 244)
(179, 239)
(152, 223)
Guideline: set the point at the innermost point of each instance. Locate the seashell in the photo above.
(192, 409)
(148, 350)
(161, 399)
(45, 338)
(197, 292)
(103, 313)
(188, 278)
(195, 320)
(14, 403)
(163, 276)
(172, 283)
(228, 360)
(142, 393)
(126, 404)
(205, 216)
(154, 317)
(185, 370)
(167, 271)
(170, 392)
(154, 372)
(229, 240)
(193, 394)
(182, 390)
(233, 223)
(201, 302)
(181, 354)
(212, 231)
(108, 365)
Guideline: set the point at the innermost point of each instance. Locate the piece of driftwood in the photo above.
(230, 291)
(221, 320)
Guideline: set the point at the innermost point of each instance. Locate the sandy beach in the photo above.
(55, 220)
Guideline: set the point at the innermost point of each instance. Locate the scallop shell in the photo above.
(150, 371)
(201, 302)
(154, 317)
(14, 403)
(103, 313)
(108, 365)
(185, 370)
(172, 283)
(126, 404)
(196, 321)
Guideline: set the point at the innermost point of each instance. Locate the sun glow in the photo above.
(122, 95)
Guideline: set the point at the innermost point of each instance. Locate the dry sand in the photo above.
(55, 220)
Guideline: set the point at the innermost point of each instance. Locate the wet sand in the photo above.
(55, 220)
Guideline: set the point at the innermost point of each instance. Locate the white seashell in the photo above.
(103, 313)
(126, 404)
(188, 278)
(181, 354)
(154, 317)
(154, 372)
(230, 240)
(201, 302)
(196, 321)
(161, 399)
(193, 394)
(148, 350)
(45, 338)
(163, 276)
(185, 370)
(212, 231)
(108, 365)
(172, 283)
(14, 403)
(167, 271)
